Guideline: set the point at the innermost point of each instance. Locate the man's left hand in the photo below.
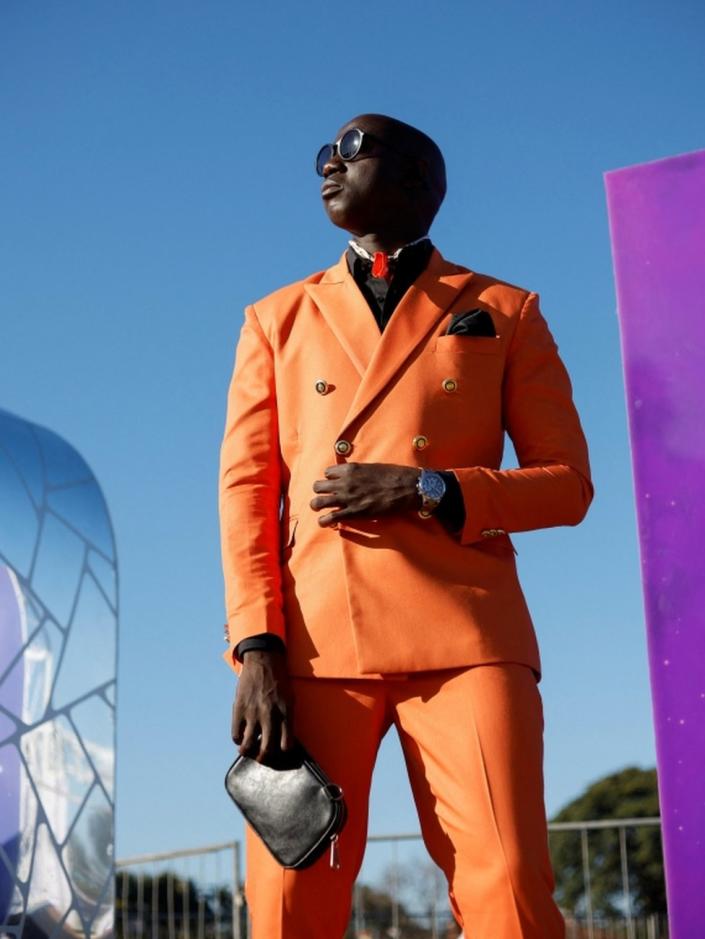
(364, 489)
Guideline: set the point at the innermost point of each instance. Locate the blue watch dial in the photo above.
(431, 487)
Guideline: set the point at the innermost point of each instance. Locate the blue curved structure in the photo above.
(58, 639)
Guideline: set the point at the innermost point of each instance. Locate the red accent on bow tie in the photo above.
(380, 265)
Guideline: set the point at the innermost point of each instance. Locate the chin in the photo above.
(337, 214)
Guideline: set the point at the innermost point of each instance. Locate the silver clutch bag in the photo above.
(293, 807)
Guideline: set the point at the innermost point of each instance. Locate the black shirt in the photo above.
(383, 295)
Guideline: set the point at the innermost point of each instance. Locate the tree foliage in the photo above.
(377, 917)
(629, 793)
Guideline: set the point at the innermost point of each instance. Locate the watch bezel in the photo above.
(431, 487)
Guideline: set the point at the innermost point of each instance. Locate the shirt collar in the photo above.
(405, 265)
(365, 254)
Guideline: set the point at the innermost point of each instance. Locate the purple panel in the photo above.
(657, 221)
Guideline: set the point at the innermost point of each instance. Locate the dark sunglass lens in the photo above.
(350, 144)
(324, 155)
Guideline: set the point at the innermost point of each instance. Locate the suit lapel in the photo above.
(419, 311)
(346, 312)
(377, 357)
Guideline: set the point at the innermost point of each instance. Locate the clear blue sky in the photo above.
(156, 175)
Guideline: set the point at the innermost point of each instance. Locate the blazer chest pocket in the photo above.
(468, 345)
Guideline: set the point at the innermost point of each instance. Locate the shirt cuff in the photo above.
(451, 508)
(265, 642)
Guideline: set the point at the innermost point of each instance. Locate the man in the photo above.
(370, 576)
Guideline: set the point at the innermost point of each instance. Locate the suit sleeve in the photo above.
(249, 493)
(552, 484)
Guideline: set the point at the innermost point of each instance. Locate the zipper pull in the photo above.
(334, 856)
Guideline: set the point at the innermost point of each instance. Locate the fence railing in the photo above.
(621, 826)
(643, 927)
(198, 893)
(192, 894)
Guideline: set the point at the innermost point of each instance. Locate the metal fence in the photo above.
(198, 894)
(653, 927)
(191, 894)
(644, 927)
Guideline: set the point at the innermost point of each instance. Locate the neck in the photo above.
(387, 243)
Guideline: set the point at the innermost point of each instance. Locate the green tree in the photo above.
(629, 793)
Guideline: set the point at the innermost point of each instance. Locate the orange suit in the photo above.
(377, 599)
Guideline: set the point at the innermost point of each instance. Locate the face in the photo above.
(370, 193)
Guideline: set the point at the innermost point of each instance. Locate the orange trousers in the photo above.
(472, 740)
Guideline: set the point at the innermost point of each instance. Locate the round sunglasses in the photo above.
(347, 147)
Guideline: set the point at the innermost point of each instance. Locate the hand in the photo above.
(263, 710)
(365, 489)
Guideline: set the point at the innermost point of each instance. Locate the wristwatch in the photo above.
(431, 487)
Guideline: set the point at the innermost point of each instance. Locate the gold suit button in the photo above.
(492, 532)
(343, 447)
(420, 442)
(321, 386)
(450, 385)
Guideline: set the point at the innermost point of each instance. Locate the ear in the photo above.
(416, 174)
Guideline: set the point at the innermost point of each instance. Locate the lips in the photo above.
(330, 188)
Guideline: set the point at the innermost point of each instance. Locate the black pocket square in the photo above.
(472, 323)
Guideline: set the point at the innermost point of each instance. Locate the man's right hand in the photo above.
(263, 710)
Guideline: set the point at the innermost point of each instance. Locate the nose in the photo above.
(333, 164)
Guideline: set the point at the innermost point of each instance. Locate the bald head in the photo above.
(415, 145)
(393, 187)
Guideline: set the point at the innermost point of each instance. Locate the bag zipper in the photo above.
(334, 855)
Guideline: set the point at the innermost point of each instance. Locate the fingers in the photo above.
(266, 745)
(263, 740)
(325, 521)
(250, 744)
(245, 729)
(330, 499)
(334, 487)
(326, 502)
(277, 733)
(261, 737)
(263, 708)
(237, 722)
(236, 731)
(335, 477)
(325, 485)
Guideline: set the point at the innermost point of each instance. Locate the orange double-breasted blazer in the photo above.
(315, 383)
